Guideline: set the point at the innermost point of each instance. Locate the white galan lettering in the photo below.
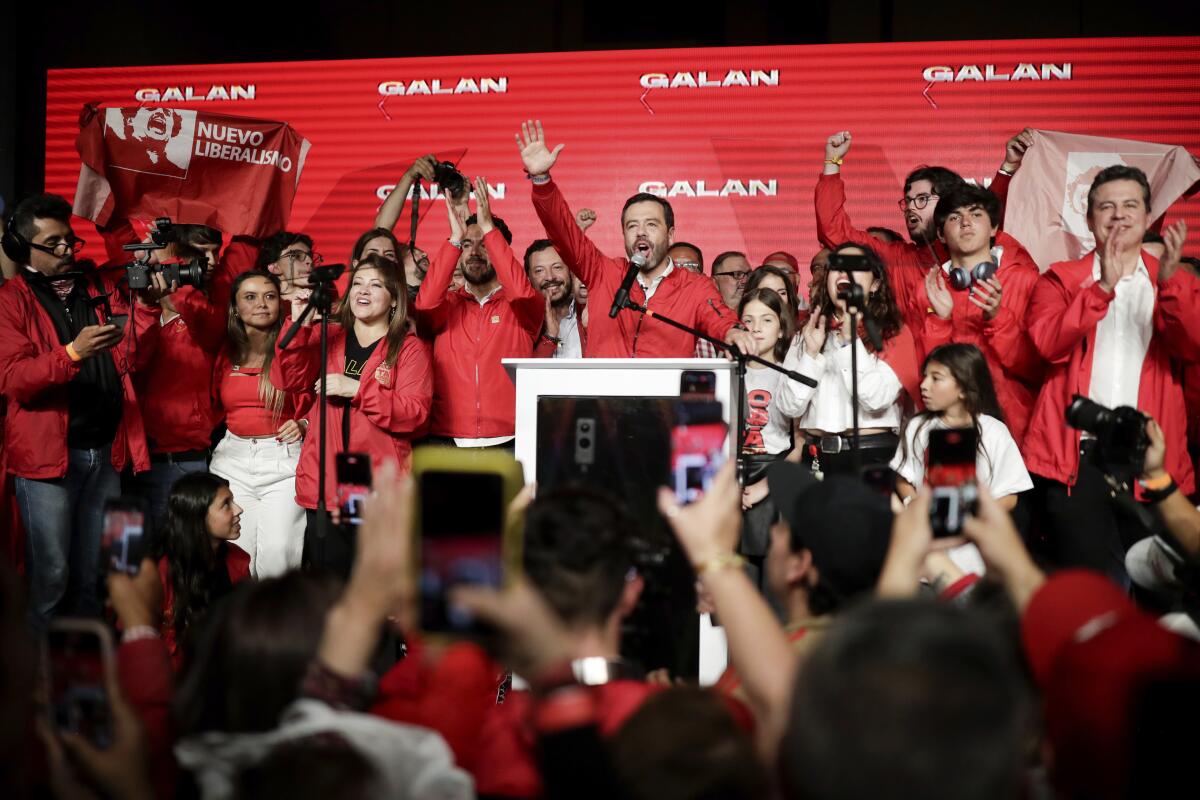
(438, 86)
(191, 94)
(701, 79)
(433, 192)
(991, 72)
(730, 188)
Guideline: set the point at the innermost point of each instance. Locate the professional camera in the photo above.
(1120, 436)
(451, 180)
(162, 235)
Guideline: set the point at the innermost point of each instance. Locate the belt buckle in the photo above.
(831, 444)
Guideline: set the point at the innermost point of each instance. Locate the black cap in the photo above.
(842, 522)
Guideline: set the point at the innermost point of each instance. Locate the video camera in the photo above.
(1120, 435)
(162, 235)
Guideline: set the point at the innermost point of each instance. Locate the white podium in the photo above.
(551, 394)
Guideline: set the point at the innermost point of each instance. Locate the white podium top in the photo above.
(513, 364)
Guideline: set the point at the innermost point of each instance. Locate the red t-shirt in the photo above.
(246, 414)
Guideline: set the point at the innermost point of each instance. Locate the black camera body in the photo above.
(162, 235)
(451, 180)
(1120, 436)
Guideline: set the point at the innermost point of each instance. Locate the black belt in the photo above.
(836, 443)
(185, 455)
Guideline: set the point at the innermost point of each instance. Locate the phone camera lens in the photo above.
(585, 443)
(585, 427)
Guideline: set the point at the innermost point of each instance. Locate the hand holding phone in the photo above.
(77, 663)
(123, 535)
(950, 474)
(353, 486)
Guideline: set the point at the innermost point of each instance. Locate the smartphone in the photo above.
(463, 532)
(77, 660)
(123, 535)
(698, 448)
(120, 320)
(353, 486)
(950, 474)
(698, 384)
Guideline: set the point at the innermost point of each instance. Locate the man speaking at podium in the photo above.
(646, 273)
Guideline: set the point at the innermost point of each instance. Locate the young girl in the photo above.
(768, 430)
(261, 449)
(958, 393)
(824, 351)
(775, 279)
(380, 383)
(199, 564)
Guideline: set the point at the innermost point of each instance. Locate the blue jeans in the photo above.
(62, 520)
(155, 487)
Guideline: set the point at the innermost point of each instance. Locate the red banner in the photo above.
(734, 136)
(236, 174)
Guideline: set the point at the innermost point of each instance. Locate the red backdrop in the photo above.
(766, 138)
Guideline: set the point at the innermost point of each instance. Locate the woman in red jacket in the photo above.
(380, 385)
(200, 564)
(261, 448)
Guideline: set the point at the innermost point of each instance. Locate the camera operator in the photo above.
(1111, 325)
(73, 424)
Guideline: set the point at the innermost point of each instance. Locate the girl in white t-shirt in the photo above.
(768, 430)
(958, 393)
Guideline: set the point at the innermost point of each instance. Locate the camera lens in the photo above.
(1087, 415)
(585, 443)
(585, 427)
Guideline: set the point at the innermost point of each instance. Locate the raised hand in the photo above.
(1014, 150)
(814, 333)
(940, 299)
(1113, 265)
(986, 295)
(709, 527)
(838, 145)
(992, 530)
(422, 168)
(585, 218)
(1173, 238)
(531, 142)
(458, 218)
(551, 317)
(483, 206)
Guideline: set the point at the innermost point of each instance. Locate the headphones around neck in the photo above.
(960, 278)
(15, 245)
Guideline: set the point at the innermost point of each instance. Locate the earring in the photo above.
(391, 313)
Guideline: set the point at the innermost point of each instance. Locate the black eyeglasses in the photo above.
(71, 243)
(299, 255)
(740, 277)
(920, 201)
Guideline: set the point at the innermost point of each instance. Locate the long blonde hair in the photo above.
(239, 342)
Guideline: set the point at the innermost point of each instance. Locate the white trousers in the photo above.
(262, 477)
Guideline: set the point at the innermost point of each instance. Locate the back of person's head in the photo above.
(500, 224)
(275, 245)
(313, 768)
(578, 552)
(966, 195)
(251, 654)
(943, 180)
(683, 744)
(1119, 172)
(906, 699)
(35, 207)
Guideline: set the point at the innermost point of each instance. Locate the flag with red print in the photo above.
(1047, 200)
(235, 174)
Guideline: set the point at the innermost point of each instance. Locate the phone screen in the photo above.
(123, 536)
(698, 449)
(78, 697)
(950, 473)
(462, 541)
(353, 486)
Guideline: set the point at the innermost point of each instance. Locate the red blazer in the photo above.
(907, 262)
(35, 370)
(473, 396)
(237, 564)
(1066, 307)
(1014, 362)
(391, 406)
(683, 296)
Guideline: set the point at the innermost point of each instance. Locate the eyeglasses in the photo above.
(740, 277)
(71, 244)
(300, 255)
(920, 201)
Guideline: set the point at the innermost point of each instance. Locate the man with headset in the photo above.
(72, 415)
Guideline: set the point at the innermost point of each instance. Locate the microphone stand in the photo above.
(741, 358)
(321, 299)
(853, 302)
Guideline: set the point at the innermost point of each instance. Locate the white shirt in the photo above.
(653, 287)
(1122, 339)
(827, 407)
(570, 345)
(768, 430)
(998, 462)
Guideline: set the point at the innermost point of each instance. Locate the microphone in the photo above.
(636, 263)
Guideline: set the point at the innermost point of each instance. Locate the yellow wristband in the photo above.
(836, 161)
(1155, 484)
(71, 354)
(723, 561)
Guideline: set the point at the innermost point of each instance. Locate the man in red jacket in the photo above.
(563, 334)
(648, 223)
(907, 262)
(72, 414)
(1113, 326)
(989, 312)
(495, 315)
